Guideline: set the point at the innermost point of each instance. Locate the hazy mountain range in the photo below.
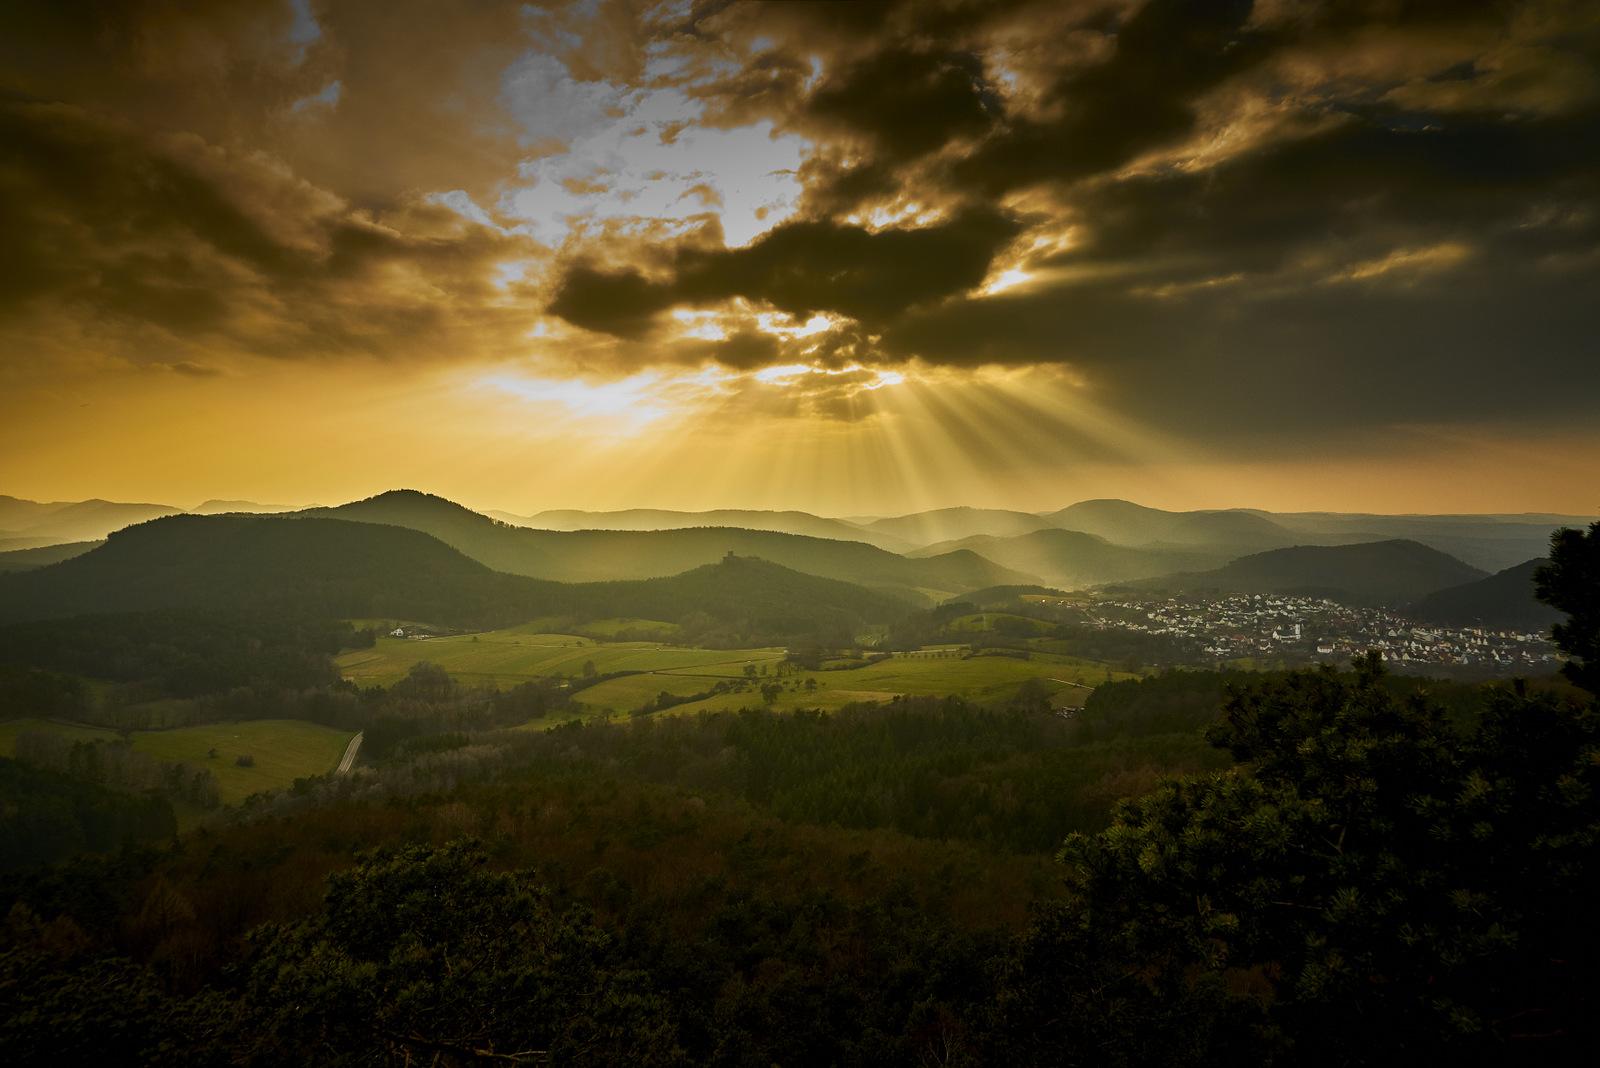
(342, 569)
(602, 555)
(922, 558)
(1491, 542)
(33, 524)
(1369, 573)
(747, 519)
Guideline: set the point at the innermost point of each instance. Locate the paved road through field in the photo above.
(350, 753)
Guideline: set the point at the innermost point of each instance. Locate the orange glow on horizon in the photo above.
(847, 442)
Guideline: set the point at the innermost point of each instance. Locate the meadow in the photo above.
(982, 679)
(505, 658)
(282, 750)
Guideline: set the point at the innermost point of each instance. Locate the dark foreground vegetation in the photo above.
(1354, 870)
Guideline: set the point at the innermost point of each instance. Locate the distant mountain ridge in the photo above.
(785, 522)
(1395, 572)
(40, 556)
(950, 524)
(1486, 541)
(56, 522)
(1490, 542)
(1073, 559)
(248, 507)
(609, 555)
(325, 566)
(338, 568)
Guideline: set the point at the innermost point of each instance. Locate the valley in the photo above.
(732, 756)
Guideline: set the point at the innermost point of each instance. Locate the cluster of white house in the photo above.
(1316, 628)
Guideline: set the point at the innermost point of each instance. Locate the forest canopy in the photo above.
(1363, 870)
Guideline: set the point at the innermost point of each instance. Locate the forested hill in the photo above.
(787, 522)
(335, 568)
(608, 555)
(1073, 559)
(321, 566)
(1503, 601)
(751, 601)
(1384, 572)
(28, 559)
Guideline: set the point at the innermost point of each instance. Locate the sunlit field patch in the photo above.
(509, 657)
(280, 750)
(981, 678)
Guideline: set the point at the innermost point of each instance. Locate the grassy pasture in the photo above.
(608, 627)
(507, 657)
(987, 621)
(632, 691)
(283, 749)
(986, 678)
(73, 731)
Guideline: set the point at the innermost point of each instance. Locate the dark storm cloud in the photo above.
(154, 189)
(1370, 274)
(1218, 202)
(92, 209)
(1167, 53)
(798, 268)
(1355, 191)
(1207, 198)
(909, 102)
(101, 223)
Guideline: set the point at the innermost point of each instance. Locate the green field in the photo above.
(283, 749)
(987, 621)
(505, 658)
(987, 678)
(77, 732)
(632, 691)
(606, 628)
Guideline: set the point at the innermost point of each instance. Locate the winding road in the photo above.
(350, 753)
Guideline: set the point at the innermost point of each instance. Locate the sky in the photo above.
(853, 258)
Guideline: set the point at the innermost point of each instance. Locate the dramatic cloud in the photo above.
(800, 269)
(1282, 227)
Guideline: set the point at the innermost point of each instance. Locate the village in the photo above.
(1317, 630)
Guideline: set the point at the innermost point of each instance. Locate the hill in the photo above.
(1228, 529)
(215, 507)
(951, 524)
(1232, 532)
(1120, 522)
(1493, 542)
(322, 566)
(81, 521)
(1485, 541)
(750, 601)
(611, 555)
(28, 559)
(1073, 559)
(1385, 572)
(786, 522)
(337, 568)
(1503, 601)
